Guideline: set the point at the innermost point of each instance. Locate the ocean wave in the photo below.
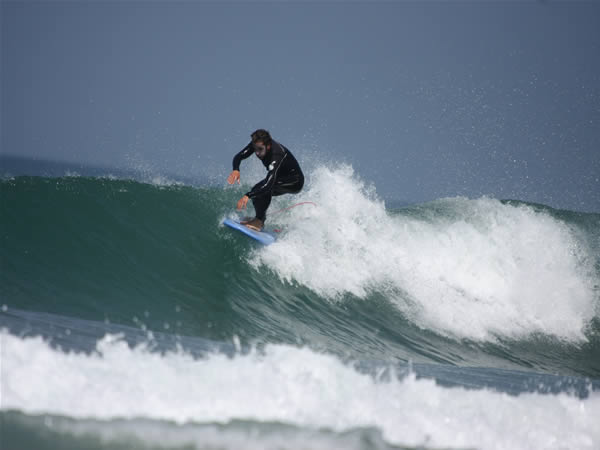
(283, 384)
(477, 282)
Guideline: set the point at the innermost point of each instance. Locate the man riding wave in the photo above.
(284, 175)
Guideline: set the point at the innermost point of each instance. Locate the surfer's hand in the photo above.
(233, 177)
(242, 202)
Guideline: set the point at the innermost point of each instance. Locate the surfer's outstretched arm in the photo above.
(237, 159)
(243, 154)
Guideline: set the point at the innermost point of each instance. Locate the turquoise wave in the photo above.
(156, 258)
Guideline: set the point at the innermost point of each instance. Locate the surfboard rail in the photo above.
(263, 237)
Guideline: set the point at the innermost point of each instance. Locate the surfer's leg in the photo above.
(261, 204)
(290, 186)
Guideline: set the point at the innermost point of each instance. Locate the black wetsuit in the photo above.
(284, 176)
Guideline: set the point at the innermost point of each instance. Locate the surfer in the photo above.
(284, 175)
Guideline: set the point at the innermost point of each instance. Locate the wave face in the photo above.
(131, 318)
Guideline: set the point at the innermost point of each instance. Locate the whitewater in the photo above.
(475, 268)
(131, 318)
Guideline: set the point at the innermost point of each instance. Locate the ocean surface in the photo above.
(130, 318)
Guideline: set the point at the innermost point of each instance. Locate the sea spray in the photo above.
(475, 269)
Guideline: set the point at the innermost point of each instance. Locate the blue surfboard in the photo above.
(261, 236)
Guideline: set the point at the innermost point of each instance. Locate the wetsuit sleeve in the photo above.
(267, 184)
(243, 154)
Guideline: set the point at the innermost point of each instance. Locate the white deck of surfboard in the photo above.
(261, 236)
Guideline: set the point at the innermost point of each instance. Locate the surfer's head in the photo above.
(261, 142)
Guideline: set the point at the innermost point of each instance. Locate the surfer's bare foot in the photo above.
(254, 224)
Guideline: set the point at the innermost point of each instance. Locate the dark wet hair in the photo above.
(261, 136)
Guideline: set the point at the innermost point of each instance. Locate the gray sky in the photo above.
(425, 100)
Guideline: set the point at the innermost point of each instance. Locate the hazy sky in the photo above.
(424, 99)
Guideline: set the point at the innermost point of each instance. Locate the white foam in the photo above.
(285, 384)
(473, 269)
